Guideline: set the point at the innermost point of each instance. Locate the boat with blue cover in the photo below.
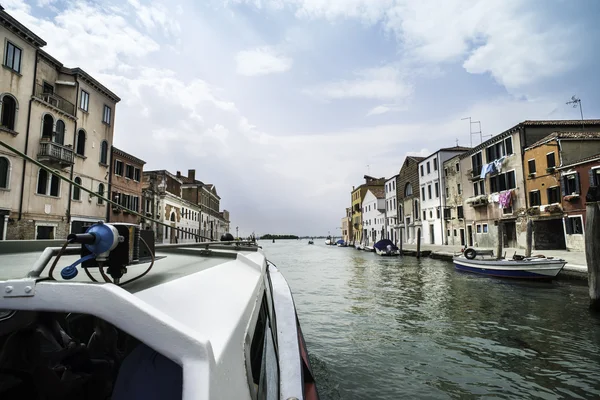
(386, 247)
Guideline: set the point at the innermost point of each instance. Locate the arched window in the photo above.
(4, 172)
(80, 147)
(104, 152)
(42, 185)
(408, 189)
(100, 193)
(59, 136)
(9, 112)
(47, 127)
(76, 190)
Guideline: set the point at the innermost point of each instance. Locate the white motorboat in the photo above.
(122, 320)
(483, 262)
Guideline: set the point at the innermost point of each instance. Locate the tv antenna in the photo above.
(576, 102)
(368, 170)
(472, 132)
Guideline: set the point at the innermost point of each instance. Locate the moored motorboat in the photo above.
(341, 243)
(386, 247)
(537, 267)
(311, 242)
(368, 248)
(212, 320)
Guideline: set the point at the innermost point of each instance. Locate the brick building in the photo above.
(125, 184)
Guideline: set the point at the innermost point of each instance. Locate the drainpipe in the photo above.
(72, 172)
(109, 186)
(27, 137)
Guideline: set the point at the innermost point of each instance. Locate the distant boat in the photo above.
(386, 247)
(483, 262)
(311, 242)
(341, 243)
(273, 240)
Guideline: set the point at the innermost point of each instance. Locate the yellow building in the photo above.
(358, 195)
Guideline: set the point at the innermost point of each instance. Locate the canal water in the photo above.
(389, 328)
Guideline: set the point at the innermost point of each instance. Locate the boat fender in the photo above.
(470, 253)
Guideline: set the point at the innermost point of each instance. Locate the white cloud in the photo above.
(384, 82)
(384, 109)
(261, 61)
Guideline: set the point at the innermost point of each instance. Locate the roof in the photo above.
(123, 154)
(590, 159)
(416, 158)
(510, 131)
(378, 192)
(20, 29)
(448, 149)
(566, 135)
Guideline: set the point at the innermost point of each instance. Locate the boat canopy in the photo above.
(341, 241)
(384, 243)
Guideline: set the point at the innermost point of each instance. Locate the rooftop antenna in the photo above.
(456, 142)
(368, 170)
(576, 102)
(472, 132)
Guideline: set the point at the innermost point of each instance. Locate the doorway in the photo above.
(510, 234)
(431, 234)
(462, 236)
(470, 235)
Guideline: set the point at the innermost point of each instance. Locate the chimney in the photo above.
(192, 174)
(179, 174)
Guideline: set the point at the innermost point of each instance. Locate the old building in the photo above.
(373, 211)
(347, 225)
(20, 47)
(576, 178)
(210, 203)
(67, 126)
(494, 182)
(454, 222)
(433, 199)
(547, 188)
(407, 192)
(357, 197)
(224, 222)
(162, 201)
(391, 209)
(125, 183)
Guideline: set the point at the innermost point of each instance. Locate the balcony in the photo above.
(54, 100)
(475, 173)
(55, 154)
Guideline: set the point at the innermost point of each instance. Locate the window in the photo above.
(571, 184)
(48, 184)
(429, 191)
(106, 115)
(459, 211)
(459, 190)
(437, 213)
(448, 233)
(445, 172)
(408, 190)
(424, 215)
(129, 171)
(499, 149)
(455, 232)
(44, 232)
(479, 188)
(485, 228)
(12, 59)
(80, 148)
(437, 189)
(535, 198)
(447, 213)
(503, 182)
(531, 166)
(422, 173)
(428, 168)
(550, 160)
(595, 177)
(47, 126)
(9, 112)
(76, 190)
(574, 225)
(119, 167)
(478, 228)
(100, 193)
(4, 172)
(447, 193)
(423, 192)
(458, 165)
(553, 194)
(59, 135)
(435, 166)
(476, 163)
(104, 152)
(85, 100)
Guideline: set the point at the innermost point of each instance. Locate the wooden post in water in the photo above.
(418, 242)
(529, 238)
(400, 240)
(592, 245)
(500, 246)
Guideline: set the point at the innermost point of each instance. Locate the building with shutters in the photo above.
(357, 198)
(125, 185)
(409, 204)
(453, 212)
(373, 212)
(391, 210)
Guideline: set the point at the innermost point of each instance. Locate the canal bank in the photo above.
(576, 268)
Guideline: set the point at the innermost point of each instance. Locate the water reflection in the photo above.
(382, 328)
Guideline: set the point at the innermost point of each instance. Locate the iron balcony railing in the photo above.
(51, 151)
(54, 100)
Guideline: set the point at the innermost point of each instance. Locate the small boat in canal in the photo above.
(518, 267)
(386, 247)
(311, 242)
(341, 243)
(208, 320)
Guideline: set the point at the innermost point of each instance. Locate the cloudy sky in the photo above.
(285, 104)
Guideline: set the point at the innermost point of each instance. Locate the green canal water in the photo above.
(383, 328)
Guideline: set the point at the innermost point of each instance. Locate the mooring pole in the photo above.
(418, 242)
(592, 245)
(500, 246)
(400, 240)
(529, 238)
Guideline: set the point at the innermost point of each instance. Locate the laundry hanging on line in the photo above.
(505, 199)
